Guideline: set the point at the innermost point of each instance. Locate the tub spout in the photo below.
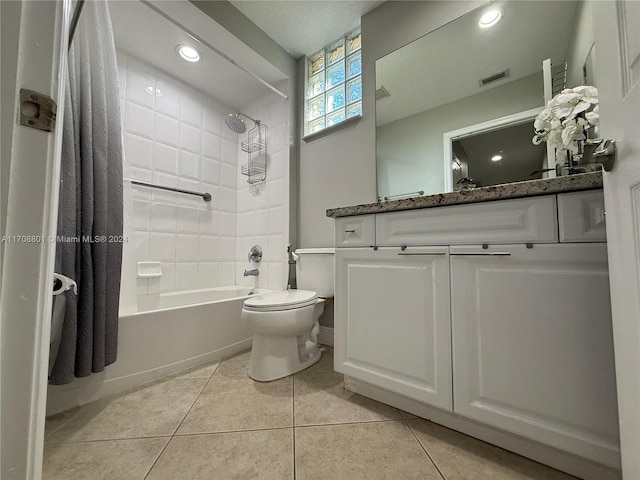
(253, 272)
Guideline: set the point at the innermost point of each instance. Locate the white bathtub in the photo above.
(169, 333)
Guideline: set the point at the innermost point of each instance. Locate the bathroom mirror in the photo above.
(470, 92)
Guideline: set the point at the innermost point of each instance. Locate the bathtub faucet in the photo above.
(253, 272)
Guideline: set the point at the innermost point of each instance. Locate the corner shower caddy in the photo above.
(256, 148)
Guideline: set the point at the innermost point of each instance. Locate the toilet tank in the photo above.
(315, 270)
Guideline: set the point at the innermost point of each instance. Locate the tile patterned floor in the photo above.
(214, 422)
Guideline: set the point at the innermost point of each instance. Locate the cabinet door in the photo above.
(392, 320)
(532, 344)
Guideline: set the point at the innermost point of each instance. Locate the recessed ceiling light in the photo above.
(496, 158)
(188, 53)
(490, 18)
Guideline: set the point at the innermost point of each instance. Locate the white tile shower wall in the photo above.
(173, 136)
(263, 218)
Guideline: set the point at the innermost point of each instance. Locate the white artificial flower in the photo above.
(566, 97)
(593, 117)
(565, 118)
(538, 139)
(554, 139)
(581, 106)
(568, 105)
(570, 133)
(540, 124)
(589, 93)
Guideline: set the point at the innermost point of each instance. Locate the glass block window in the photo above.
(334, 84)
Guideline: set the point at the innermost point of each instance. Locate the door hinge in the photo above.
(37, 110)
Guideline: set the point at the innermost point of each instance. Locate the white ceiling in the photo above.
(303, 27)
(447, 64)
(144, 33)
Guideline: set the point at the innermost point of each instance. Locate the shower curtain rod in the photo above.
(74, 21)
(197, 38)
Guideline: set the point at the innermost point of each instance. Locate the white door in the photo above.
(37, 46)
(392, 326)
(532, 344)
(617, 44)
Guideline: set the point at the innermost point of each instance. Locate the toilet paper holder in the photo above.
(62, 284)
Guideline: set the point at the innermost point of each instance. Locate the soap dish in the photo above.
(149, 269)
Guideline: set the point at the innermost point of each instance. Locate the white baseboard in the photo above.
(563, 461)
(326, 335)
(89, 389)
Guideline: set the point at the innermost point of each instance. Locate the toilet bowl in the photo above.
(283, 339)
(285, 324)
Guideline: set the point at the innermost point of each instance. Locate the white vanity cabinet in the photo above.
(533, 345)
(394, 329)
(515, 335)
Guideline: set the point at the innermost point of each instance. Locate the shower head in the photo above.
(236, 124)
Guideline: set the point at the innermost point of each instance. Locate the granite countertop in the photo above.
(530, 188)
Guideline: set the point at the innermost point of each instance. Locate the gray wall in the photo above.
(339, 169)
(410, 150)
(581, 42)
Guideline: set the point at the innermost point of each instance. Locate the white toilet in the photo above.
(285, 324)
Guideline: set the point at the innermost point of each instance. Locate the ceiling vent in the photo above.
(494, 78)
(382, 93)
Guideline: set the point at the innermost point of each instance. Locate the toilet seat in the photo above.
(281, 301)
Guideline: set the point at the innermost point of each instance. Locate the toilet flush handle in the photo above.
(293, 256)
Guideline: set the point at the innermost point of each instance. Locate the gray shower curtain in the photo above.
(89, 247)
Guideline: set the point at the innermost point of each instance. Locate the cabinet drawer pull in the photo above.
(418, 253)
(484, 254)
(349, 231)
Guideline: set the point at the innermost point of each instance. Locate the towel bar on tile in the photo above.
(205, 195)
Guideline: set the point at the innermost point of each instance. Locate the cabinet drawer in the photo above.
(505, 221)
(355, 231)
(581, 217)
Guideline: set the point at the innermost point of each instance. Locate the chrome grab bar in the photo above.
(205, 195)
(408, 254)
